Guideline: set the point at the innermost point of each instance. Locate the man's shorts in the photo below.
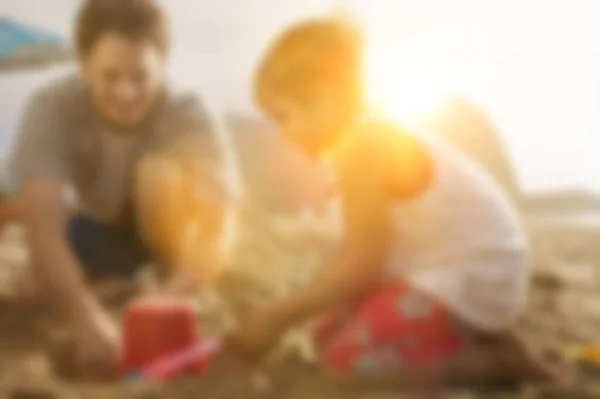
(106, 250)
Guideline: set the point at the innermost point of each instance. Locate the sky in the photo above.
(532, 65)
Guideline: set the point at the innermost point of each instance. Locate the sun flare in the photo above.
(407, 92)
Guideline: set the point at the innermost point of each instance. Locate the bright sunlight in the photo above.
(406, 90)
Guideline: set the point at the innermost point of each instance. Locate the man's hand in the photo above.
(58, 271)
(97, 346)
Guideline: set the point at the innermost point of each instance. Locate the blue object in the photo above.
(15, 37)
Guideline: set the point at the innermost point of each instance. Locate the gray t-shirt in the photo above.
(62, 137)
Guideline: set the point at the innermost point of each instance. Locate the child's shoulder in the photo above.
(395, 153)
(377, 139)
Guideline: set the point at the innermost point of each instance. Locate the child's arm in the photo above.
(363, 168)
(357, 266)
(381, 166)
(377, 166)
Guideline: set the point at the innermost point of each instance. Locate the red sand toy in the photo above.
(161, 339)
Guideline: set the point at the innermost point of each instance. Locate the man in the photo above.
(88, 131)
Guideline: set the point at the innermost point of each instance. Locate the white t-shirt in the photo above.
(461, 241)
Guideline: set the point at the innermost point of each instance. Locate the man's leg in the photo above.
(106, 251)
(109, 255)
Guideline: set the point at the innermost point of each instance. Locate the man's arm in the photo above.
(40, 165)
(55, 265)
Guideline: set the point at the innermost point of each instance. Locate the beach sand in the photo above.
(563, 309)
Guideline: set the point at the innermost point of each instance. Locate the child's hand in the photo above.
(255, 336)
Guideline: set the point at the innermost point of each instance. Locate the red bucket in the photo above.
(153, 329)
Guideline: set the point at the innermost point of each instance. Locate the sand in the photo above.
(563, 309)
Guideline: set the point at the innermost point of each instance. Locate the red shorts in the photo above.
(393, 327)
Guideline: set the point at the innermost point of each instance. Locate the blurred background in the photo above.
(514, 83)
(531, 66)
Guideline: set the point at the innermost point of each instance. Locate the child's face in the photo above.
(312, 126)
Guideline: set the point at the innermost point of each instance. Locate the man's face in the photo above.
(124, 76)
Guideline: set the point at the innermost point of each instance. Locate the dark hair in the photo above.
(138, 19)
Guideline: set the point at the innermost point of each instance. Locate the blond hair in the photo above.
(308, 54)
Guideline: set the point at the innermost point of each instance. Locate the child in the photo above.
(434, 267)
